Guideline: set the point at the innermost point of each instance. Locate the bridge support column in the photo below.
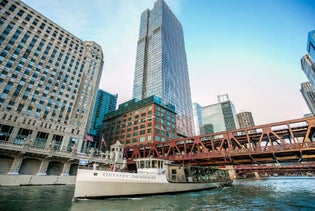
(232, 172)
(43, 168)
(16, 165)
(256, 174)
(66, 169)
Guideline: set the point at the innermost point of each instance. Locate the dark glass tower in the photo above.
(161, 65)
(105, 103)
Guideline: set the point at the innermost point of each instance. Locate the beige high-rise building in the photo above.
(245, 119)
(48, 80)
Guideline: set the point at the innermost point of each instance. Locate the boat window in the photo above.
(154, 164)
(207, 171)
(141, 164)
(173, 175)
(160, 164)
(147, 164)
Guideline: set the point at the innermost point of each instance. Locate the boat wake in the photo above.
(135, 199)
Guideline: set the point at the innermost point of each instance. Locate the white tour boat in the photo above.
(153, 176)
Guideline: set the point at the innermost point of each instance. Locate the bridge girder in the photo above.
(286, 141)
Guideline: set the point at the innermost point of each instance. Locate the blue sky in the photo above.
(249, 49)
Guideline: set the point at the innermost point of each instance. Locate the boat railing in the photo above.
(98, 168)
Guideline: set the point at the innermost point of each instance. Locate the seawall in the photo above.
(17, 180)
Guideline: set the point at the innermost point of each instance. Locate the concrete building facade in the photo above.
(48, 80)
(246, 120)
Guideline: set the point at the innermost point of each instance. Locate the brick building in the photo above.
(137, 122)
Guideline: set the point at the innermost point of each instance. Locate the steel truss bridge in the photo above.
(307, 168)
(289, 141)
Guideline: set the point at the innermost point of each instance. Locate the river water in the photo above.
(278, 193)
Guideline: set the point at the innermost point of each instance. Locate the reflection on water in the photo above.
(54, 197)
(285, 193)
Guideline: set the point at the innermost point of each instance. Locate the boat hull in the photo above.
(97, 184)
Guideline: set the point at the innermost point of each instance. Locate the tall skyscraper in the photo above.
(221, 116)
(308, 61)
(311, 44)
(48, 79)
(308, 92)
(161, 65)
(105, 103)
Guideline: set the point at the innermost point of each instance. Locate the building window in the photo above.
(28, 17)
(35, 21)
(12, 8)
(20, 13)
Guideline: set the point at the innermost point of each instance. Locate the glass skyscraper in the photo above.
(308, 92)
(221, 116)
(308, 61)
(198, 123)
(105, 103)
(161, 65)
(311, 44)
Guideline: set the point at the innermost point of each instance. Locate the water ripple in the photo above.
(258, 195)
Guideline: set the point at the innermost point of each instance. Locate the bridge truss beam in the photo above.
(286, 141)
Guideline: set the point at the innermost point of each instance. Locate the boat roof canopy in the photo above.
(151, 163)
(149, 158)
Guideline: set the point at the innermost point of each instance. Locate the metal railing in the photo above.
(49, 151)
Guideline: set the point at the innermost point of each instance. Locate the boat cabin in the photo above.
(179, 173)
(151, 165)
